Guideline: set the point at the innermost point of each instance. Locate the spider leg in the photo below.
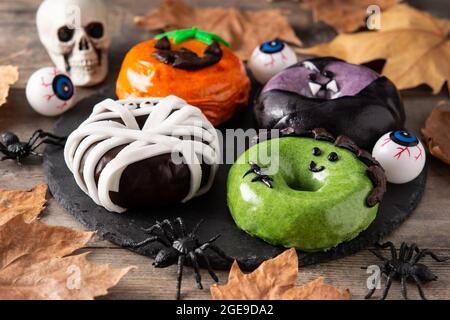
(410, 252)
(200, 253)
(403, 249)
(181, 225)
(171, 229)
(194, 231)
(220, 252)
(132, 244)
(247, 173)
(48, 141)
(419, 287)
(159, 226)
(179, 275)
(198, 277)
(34, 137)
(387, 286)
(426, 252)
(403, 288)
(389, 245)
(378, 255)
(34, 153)
(3, 148)
(211, 241)
(18, 161)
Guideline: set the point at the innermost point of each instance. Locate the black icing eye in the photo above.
(62, 87)
(95, 30)
(312, 76)
(65, 34)
(404, 138)
(316, 152)
(273, 46)
(328, 74)
(333, 157)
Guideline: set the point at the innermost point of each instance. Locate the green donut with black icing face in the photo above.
(305, 193)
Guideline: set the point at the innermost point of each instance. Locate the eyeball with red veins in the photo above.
(401, 155)
(50, 92)
(270, 58)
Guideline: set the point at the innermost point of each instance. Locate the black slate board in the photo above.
(399, 202)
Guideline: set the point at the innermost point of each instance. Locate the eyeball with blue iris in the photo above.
(270, 58)
(401, 155)
(50, 92)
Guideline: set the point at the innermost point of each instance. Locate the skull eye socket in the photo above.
(95, 30)
(65, 34)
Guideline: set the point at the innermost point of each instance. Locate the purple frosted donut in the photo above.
(344, 98)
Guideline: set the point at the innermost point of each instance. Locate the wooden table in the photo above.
(429, 225)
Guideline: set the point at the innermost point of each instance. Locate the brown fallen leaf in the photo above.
(344, 15)
(437, 132)
(34, 263)
(8, 76)
(275, 280)
(28, 203)
(245, 30)
(414, 44)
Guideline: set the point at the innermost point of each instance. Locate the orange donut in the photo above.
(219, 90)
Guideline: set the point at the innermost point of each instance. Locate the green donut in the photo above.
(296, 207)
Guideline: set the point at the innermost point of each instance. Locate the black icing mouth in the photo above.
(314, 168)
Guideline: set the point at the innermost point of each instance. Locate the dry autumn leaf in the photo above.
(36, 260)
(8, 76)
(344, 15)
(243, 29)
(414, 44)
(28, 203)
(437, 132)
(275, 279)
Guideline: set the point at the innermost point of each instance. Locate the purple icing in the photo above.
(350, 80)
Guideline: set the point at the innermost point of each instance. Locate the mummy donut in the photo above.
(192, 64)
(401, 154)
(346, 99)
(142, 152)
(270, 58)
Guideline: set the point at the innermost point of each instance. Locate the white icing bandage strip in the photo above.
(172, 127)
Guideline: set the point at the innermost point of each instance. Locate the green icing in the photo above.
(182, 35)
(306, 210)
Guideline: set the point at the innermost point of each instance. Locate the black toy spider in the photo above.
(405, 267)
(260, 176)
(179, 245)
(14, 149)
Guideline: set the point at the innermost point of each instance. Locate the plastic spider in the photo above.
(14, 149)
(178, 245)
(260, 176)
(405, 267)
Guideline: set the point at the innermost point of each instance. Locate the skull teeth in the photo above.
(84, 63)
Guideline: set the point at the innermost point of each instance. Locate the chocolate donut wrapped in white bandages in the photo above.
(141, 130)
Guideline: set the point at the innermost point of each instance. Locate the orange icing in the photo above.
(219, 90)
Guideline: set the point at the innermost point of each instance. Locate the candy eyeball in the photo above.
(270, 58)
(50, 92)
(401, 155)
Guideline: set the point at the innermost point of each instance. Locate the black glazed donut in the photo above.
(344, 98)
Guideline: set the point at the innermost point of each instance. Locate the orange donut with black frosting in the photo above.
(196, 66)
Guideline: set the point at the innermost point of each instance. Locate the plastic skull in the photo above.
(76, 36)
